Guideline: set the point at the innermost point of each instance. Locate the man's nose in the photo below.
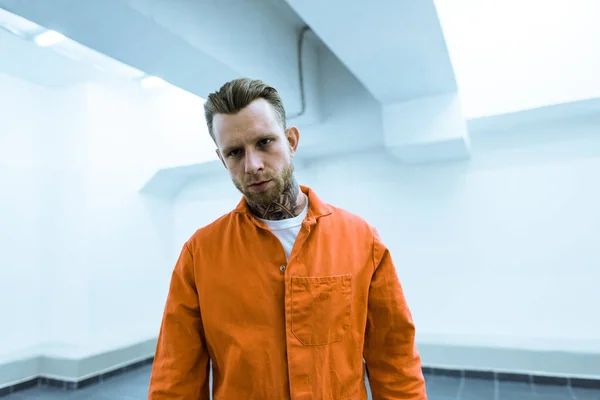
(253, 162)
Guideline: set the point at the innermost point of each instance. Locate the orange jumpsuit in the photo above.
(276, 329)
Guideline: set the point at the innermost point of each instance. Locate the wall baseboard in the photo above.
(525, 361)
(74, 372)
(502, 364)
(71, 385)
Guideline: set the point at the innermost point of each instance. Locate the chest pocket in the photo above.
(320, 308)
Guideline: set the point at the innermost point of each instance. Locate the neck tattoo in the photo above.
(289, 205)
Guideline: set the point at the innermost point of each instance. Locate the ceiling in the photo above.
(42, 66)
(432, 65)
(396, 49)
(500, 56)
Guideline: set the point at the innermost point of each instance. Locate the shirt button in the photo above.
(282, 268)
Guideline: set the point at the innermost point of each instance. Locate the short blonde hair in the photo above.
(235, 95)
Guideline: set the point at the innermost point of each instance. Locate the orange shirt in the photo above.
(274, 329)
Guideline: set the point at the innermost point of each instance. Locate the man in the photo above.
(288, 297)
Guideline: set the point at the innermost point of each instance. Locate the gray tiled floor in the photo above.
(133, 385)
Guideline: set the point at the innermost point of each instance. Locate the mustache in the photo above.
(256, 179)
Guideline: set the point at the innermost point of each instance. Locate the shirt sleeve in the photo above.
(181, 362)
(392, 361)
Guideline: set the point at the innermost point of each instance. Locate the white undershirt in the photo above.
(287, 230)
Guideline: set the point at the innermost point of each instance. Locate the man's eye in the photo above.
(234, 153)
(264, 142)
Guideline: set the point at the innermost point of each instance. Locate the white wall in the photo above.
(85, 260)
(125, 234)
(20, 282)
(500, 254)
(61, 142)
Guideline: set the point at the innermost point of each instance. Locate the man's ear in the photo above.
(221, 158)
(293, 137)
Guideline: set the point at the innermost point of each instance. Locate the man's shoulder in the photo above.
(212, 230)
(352, 219)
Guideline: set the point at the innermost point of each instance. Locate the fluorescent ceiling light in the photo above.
(152, 81)
(49, 38)
(62, 45)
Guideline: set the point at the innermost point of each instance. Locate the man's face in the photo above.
(256, 151)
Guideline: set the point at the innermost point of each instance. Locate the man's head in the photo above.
(246, 120)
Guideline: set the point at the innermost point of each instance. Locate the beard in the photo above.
(279, 183)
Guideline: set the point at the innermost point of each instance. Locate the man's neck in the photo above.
(289, 205)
